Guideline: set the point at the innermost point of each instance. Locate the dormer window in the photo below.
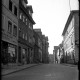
(20, 15)
(23, 18)
(26, 21)
(30, 13)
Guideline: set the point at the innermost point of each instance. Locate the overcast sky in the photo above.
(51, 17)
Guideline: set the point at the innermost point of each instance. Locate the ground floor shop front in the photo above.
(8, 53)
(25, 54)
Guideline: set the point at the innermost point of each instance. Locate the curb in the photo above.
(19, 70)
(71, 65)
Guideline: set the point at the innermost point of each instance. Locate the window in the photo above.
(26, 21)
(10, 5)
(30, 13)
(19, 32)
(23, 36)
(15, 30)
(20, 15)
(26, 36)
(29, 25)
(3, 21)
(9, 27)
(15, 10)
(23, 18)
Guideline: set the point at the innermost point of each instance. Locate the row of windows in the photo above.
(11, 7)
(24, 35)
(12, 28)
(24, 19)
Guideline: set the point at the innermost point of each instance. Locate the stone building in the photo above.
(25, 40)
(39, 40)
(9, 38)
(71, 37)
(45, 53)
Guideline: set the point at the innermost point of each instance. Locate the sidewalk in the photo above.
(16, 68)
(71, 65)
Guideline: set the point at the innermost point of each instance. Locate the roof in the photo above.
(30, 8)
(69, 20)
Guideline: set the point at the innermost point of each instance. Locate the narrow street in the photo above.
(45, 72)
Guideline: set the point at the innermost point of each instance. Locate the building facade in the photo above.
(51, 58)
(9, 40)
(71, 37)
(25, 40)
(56, 53)
(38, 31)
(36, 49)
(45, 53)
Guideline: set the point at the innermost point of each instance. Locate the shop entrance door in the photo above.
(19, 54)
(4, 52)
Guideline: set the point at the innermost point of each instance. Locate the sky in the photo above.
(51, 17)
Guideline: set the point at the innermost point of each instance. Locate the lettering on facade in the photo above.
(7, 37)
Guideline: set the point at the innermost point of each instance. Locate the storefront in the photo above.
(24, 56)
(12, 52)
(8, 52)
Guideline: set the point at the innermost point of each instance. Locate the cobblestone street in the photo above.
(46, 72)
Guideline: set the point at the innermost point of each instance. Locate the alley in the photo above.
(45, 72)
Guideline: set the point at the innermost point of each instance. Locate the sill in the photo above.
(9, 32)
(14, 35)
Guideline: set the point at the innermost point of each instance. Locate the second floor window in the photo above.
(23, 36)
(15, 30)
(10, 5)
(15, 10)
(9, 27)
(26, 36)
(2, 21)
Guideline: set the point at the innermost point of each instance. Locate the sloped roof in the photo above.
(69, 20)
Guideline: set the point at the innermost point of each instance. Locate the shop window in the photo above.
(12, 54)
(10, 5)
(15, 30)
(9, 26)
(15, 10)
